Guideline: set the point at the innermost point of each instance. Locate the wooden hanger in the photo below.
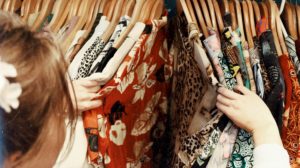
(295, 37)
(157, 10)
(83, 13)
(45, 11)
(233, 15)
(298, 18)
(106, 8)
(63, 17)
(288, 20)
(38, 5)
(92, 16)
(1, 4)
(129, 7)
(58, 10)
(147, 9)
(114, 22)
(111, 11)
(205, 13)
(264, 10)
(218, 15)
(15, 5)
(102, 6)
(212, 14)
(279, 31)
(240, 19)
(26, 9)
(201, 19)
(256, 11)
(224, 7)
(273, 26)
(7, 5)
(251, 18)
(186, 11)
(192, 13)
(247, 25)
(135, 16)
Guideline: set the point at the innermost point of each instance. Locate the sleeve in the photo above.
(271, 156)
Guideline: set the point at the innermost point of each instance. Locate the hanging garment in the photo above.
(75, 41)
(290, 43)
(75, 64)
(114, 57)
(275, 98)
(63, 33)
(290, 131)
(132, 119)
(242, 155)
(261, 27)
(242, 62)
(246, 54)
(115, 36)
(256, 67)
(188, 92)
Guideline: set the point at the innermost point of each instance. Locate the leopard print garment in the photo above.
(89, 57)
(189, 88)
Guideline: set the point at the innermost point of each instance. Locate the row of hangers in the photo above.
(86, 11)
(245, 14)
(291, 17)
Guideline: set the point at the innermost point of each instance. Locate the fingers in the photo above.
(88, 105)
(242, 89)
(88, 96)
(89, 83)
(229, 94)
(223, 100)
(227, 110)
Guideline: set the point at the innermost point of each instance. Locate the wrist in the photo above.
(267, 134)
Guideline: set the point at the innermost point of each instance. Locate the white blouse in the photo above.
(113, 64)
(100, 29)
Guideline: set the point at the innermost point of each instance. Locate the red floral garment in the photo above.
(290, 130)
(134, 109)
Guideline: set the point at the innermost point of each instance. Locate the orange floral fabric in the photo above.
(290, 130)
(132, 119)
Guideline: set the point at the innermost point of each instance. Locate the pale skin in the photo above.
(248, 111)
(86, 94)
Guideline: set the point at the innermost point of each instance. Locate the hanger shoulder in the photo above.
(45, 11)
(212, 14)
(83, 14)
(7, 5)
(206, 14)
(218, 15)
(129, 7)
(201, 19)
(298, 19)
(233, 15)
(256, 11)
(157, 10)
(251, 18)
(279, 31)
(58, 10)
(294, 21)
(135, 16)
(247, 24)
(240, 18)
(111, 27)
(1, 3)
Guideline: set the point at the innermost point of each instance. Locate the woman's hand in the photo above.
(85, 96)
(248, 111)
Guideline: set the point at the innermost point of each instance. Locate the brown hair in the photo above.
(37, 127)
